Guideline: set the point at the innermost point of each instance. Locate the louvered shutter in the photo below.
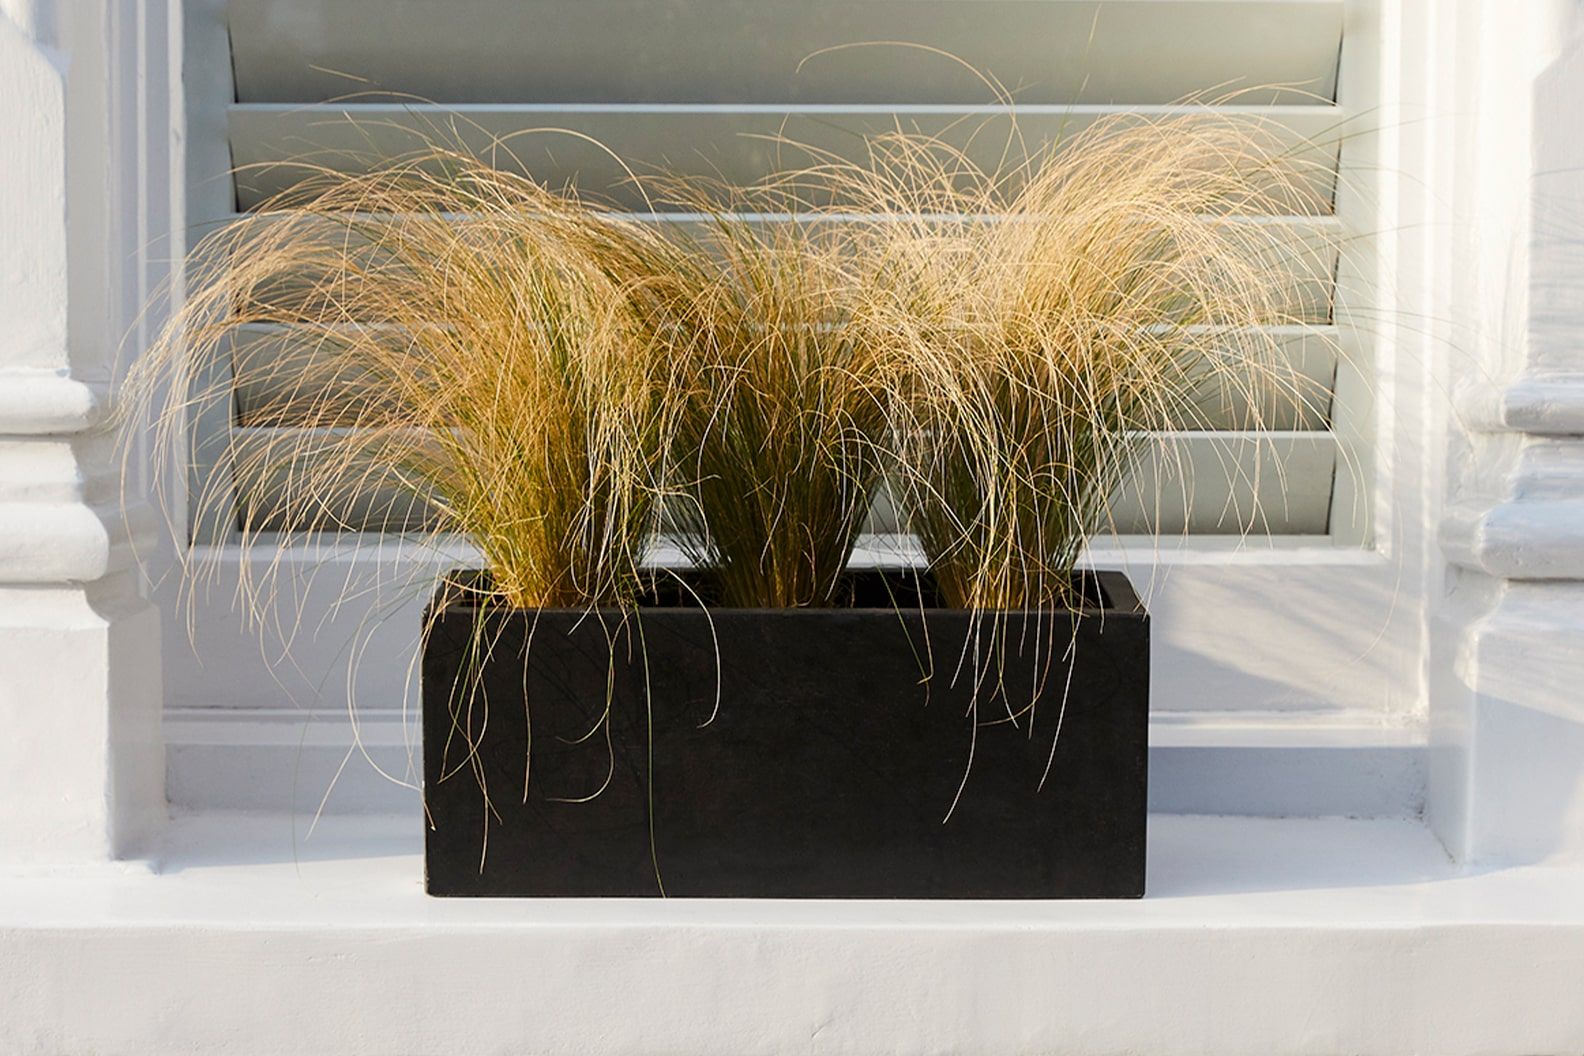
(702, 84)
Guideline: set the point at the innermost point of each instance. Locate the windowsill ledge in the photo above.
(1257, 936)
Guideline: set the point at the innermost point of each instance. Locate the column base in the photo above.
(82, 761)
(1507, 721)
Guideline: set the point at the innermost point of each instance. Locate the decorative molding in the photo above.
(1537, 404)
(1538, 537)
(58, 522)
(1518, 540)
(44, 402)
(69, 543)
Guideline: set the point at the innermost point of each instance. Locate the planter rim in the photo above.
(1120, 599)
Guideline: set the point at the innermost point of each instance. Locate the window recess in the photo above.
(698, 84)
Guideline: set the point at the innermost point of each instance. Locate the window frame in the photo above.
(1269, 630)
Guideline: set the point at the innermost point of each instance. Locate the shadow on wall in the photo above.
(1280, 635)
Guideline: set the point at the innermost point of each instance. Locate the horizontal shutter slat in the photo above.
(596, 148)
(1198, 483)
(1231, 484)
(1306, 247)
(1047, 51)
(270, 361)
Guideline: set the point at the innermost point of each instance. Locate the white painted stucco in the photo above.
(82, 764)
(242, 935)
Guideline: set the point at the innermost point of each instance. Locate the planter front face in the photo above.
(827, 769)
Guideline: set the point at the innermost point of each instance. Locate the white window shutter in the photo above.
(698, 84)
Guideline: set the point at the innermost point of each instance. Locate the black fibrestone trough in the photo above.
(827, 770)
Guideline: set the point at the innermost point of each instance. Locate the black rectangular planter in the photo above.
(813, 760)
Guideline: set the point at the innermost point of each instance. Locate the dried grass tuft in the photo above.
(444, 346)
(1048, 323)
(437, 345)
(781, 408)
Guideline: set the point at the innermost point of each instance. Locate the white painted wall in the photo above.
(1274, 637)
(1357, 640)
(1472, 103)
(1302, 937)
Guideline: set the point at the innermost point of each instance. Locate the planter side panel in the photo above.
(820, 757)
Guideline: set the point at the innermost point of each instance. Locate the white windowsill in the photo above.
(1257, 936)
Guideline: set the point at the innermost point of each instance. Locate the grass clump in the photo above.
(1066, 315)
(781, 416)
(437, 346)
(444, 347)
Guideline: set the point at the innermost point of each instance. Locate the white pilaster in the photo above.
(1507, 677)
(81, 759)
